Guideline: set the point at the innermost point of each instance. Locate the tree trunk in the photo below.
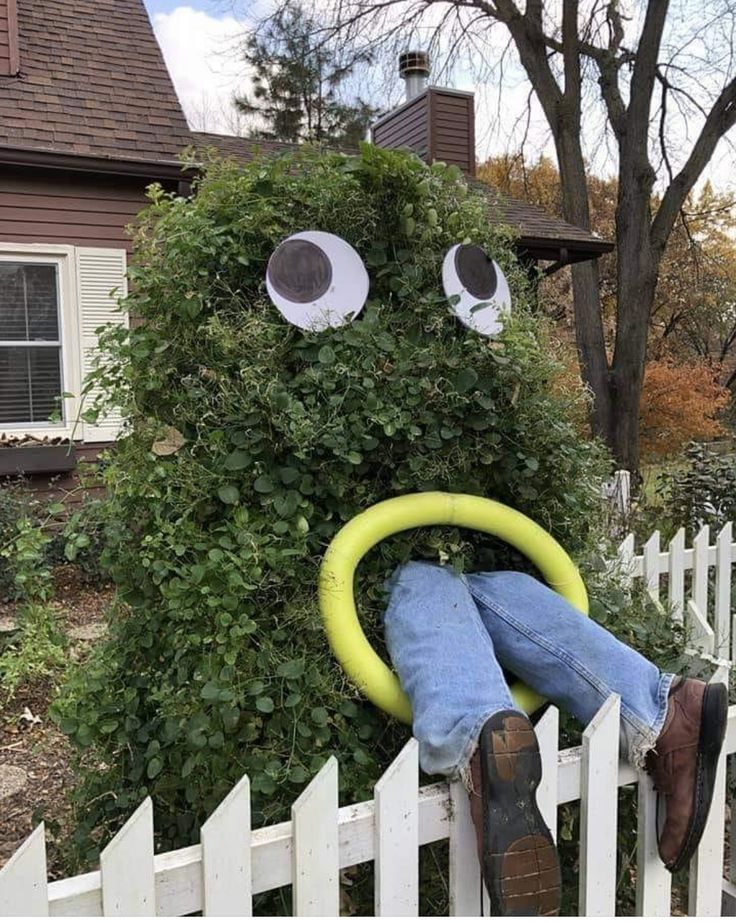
(637, 270)
(589, 334)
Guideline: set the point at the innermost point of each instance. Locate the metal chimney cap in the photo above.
(414, 64)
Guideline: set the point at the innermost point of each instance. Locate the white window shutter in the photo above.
(101, 281)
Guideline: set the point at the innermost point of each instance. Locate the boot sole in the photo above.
(520, 866)
(714, 717)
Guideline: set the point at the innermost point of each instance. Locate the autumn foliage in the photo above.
(681, 402)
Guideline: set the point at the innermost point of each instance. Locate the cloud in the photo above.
(201, 52)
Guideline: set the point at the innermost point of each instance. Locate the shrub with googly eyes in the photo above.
(320, 332)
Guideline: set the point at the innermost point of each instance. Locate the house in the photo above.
(88, 119)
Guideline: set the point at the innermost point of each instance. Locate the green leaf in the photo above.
(229, 494)
(238, 460)
(465, 380)
(320, 716)
(154, 767)
(326, 355)
(298, 774)
(263, 484)
(265, 704)
(292, 669)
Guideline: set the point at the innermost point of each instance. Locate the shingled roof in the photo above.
(92, 82)
(93, 88)
(540, 232)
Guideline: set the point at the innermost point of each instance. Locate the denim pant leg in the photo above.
(569, 658)
(446, 664)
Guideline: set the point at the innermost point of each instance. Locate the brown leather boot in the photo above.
(518, 857)
(683, 765)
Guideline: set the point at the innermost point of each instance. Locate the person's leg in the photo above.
(569, 658)
(446, 664)
(670, 726)
(467, 724)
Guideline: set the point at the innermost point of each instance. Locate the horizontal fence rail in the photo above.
(232, 863)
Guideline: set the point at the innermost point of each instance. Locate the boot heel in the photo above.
(715, 718)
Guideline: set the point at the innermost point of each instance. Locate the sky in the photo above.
(200, 41)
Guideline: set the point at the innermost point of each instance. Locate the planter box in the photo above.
(37, 459)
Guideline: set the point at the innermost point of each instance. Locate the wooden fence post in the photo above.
(23, 888)
(599, 812)
(126, 866)
(396, 837)
(315, 858)
(226, 873)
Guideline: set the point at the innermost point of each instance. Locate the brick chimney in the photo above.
(435, 123)
(9, 60)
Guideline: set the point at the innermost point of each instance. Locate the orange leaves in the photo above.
(681, 402)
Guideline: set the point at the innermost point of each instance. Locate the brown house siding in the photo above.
(452, 128)
(60, 208)
(437, 125)
(407, 126)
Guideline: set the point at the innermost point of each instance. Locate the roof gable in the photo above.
(92, 82)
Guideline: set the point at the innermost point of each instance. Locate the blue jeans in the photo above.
(450, 637)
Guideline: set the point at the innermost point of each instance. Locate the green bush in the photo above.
(251, 443)
(699, 491)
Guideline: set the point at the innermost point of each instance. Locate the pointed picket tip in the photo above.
(126, 868)
(396, 836)
(226, 856)
(315, 855)
(23, 887)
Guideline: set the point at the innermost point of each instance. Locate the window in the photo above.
(31, 376)
(53, 299)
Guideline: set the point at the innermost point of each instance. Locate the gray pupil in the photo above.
(300, 271)
(476, 271)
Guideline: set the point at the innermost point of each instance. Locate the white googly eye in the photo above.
(317, 280)
(476, 287)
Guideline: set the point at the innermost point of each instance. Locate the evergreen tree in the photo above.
(297, 81)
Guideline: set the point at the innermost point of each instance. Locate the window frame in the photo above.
(63, 257)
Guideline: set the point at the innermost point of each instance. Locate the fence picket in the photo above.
(315, 857)
(126, 867)
(651, 566)
(226, 873)
(699, 591)
(702, 637)
(676, 575)
(397, 837)
(706, 866)
(722, 618)
(548, 732)
(653, 881)
(599, 811)
(626, 557)
(465, 880)
(23, 888)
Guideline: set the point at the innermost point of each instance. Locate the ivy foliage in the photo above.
(251, 443)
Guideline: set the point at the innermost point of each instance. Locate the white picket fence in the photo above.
(220, 875)
(688, 574)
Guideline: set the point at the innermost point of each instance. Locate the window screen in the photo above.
(30, 344)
